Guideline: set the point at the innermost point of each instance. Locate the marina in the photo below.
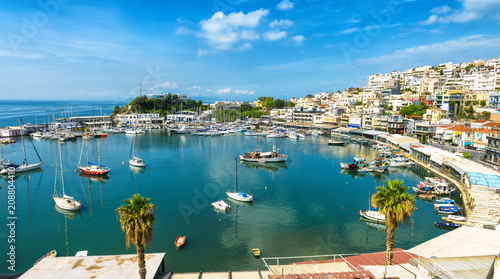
(287, 205)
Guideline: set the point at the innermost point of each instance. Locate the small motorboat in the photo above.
(336, 142)
(445, 201)
(427, 196)
(180, 241)
(448, 210)
(436, 205)
(447, 225)
(457, 218)
(256, 252)
(221, 206)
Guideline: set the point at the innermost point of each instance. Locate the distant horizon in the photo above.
(239, 50)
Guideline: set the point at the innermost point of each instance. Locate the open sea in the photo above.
(37, 112)
(305, 207)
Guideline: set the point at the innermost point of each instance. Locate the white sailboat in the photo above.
(237, 195)
(64, 202)
(13, 168)
(372, 215)
(135, 161)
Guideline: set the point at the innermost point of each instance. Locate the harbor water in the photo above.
(307, 206)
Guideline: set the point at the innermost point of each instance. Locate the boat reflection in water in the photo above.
(274, 167)
(381, 227)
(239, 203)
(71, 214)
(95, 177)
(137, 169)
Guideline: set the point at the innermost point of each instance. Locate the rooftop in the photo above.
(115, 266)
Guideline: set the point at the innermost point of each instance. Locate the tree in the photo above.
(261, 99)
(309, 96)
(467, 155)
(482, 103)
(413, 110)
(269, 103)
(279, 103)
(359, 103)
(397, 205)
(423, 139)
(441, 72)
(290, 104)
(485, 115)
(475, 103)
(137, 219)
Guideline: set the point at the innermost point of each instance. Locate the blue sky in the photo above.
(229, 49)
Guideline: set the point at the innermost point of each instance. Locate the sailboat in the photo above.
(237, 195)
(372, 215)
(64, 202)
(92, 168)
(13, 168)
(135, 161)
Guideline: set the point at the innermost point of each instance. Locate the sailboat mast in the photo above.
(236, 183)
(87, 145)
(22, 139)
(98, 154)
(62, 177)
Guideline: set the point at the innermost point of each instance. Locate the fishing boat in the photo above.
(433, 186)
(444, 201)
(24, 167)
(64, 202)
(237, 195)
(401, 161)
(336, 143)
(426, 196)
(379, 165)
(448, 225)
(221, 206)
(356, 164)
(256, 252)
(91, 168)
(437, 205)
(364, 170)
(135, 161)
(448, 210)
(180, 241)
(264, 157)
(457, 218)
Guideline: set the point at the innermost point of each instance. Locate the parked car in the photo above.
(454, 144)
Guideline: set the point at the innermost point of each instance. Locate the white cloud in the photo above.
(244, 92)
(182, 31)
(245, 46)
(441, 10)
(284, 23)
(461, 49)
(471, 10)
(202, 52)
(274, 35)
(222, 31)
(224, 91)
(349, 31)
(285, 5)
(167, 85)
(194, 87)
(299, 39)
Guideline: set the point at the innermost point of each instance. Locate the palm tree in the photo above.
(137, 219)
(397, 205)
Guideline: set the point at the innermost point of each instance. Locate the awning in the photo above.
(458, 133)
(446, 138)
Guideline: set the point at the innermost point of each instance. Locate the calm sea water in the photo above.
(10, 111)
(305, 207)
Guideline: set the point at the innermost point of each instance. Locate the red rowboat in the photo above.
(180, 241)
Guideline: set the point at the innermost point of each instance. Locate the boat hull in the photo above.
(240, 197)
(135, 163)
(67, 204)
(265, 160)
(180, 241)
(372, 215)
(98, 171)
(23, 168)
